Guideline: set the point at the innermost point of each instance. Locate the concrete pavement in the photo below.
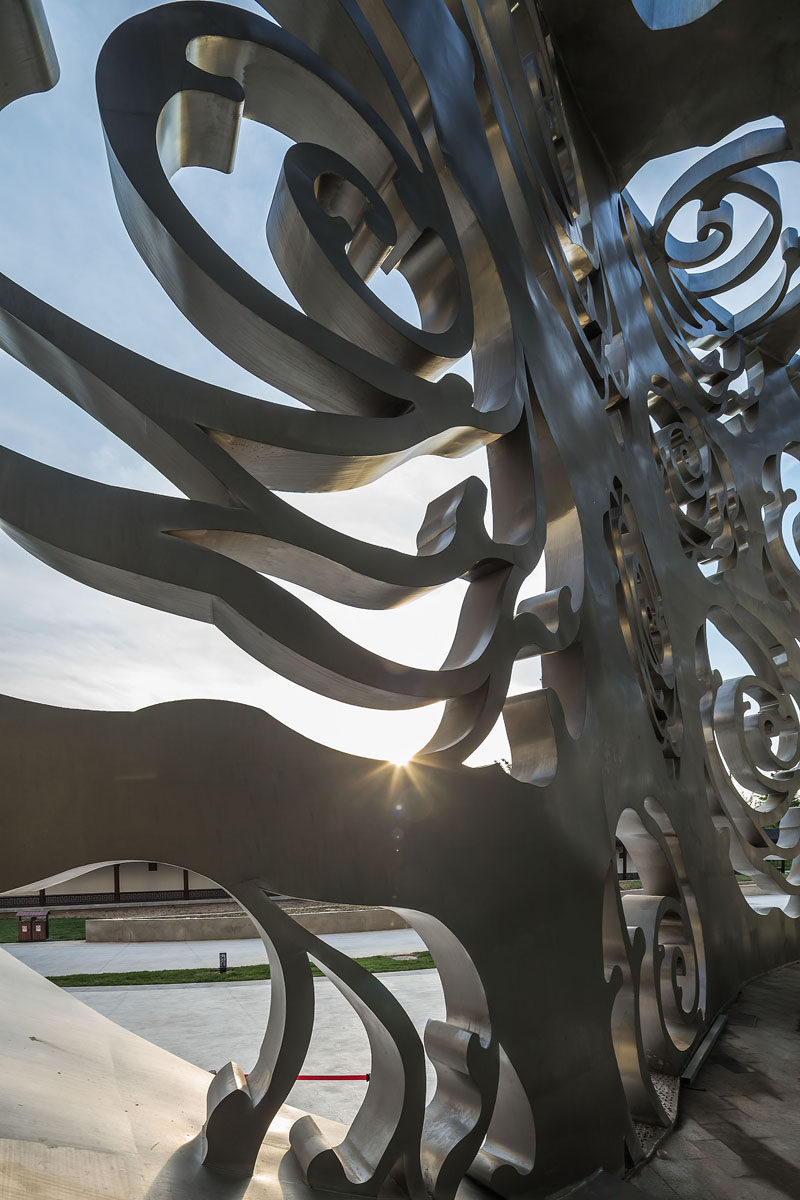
(70, 958)
(738, 1131)
(214, 1023)
(211, 1024)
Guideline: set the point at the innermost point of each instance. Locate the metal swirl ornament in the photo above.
(670, 1007)
(721, 351)
(734, 168)
(752, 734)
(655, 957)
(697, 479)
(644, 625)
(781, 545)
(758, 733)
(633, 429)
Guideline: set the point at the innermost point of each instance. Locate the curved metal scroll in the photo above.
(641, 426)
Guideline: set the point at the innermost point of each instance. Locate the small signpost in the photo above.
(223, 963)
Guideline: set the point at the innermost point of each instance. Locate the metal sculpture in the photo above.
(634, 429)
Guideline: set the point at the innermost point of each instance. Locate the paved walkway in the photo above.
(214, 1023)
(71, 958)
(738, 1130)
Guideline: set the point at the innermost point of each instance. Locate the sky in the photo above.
(61, 236)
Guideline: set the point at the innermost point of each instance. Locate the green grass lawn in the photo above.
(378, 962)
(62, 929)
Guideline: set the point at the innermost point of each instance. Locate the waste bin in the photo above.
(33, 925)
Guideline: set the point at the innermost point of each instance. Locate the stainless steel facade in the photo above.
(634, 428)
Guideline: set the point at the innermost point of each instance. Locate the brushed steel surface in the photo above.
(634, 428)
(28, 61)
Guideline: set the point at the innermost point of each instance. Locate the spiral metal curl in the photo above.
(634, 428)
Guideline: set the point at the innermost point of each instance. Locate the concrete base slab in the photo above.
(220, 927)
(223, 926)
(93, 1112)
